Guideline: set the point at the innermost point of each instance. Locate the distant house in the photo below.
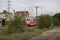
(2, 19)
(24, 14)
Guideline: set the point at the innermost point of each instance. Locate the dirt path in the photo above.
(53, 34)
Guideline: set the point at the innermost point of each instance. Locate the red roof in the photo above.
(23, 12)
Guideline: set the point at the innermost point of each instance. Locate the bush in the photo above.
(15, 25)
(56, 21)
(18, 24)
(44, 21)
(7, 30)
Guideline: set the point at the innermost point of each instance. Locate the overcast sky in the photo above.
(44, 5)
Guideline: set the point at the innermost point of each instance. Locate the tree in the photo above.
(57, 15)
(44, 21)
(15, 25)
(56, 19)
(18, 23)
(5, 12)
(7, 28)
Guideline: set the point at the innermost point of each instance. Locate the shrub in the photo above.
(18, 23)
(7, 30)
(44, 21)
(15, 25)
(56, 21)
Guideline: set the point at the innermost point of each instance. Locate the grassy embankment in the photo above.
(28, 33)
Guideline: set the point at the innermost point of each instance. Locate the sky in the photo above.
(45, 6)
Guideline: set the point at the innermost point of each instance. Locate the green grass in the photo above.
(28, 33)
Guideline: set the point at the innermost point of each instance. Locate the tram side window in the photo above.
(28, 19)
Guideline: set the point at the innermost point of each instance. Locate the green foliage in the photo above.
(57, 15)
(29, 29)
(14, 25)
(56, 19)
(18, 23)
(7, 30)
(44, 21)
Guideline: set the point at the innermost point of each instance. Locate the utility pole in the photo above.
(8, 8)
(36, 10)
(36, 7)
(8, 5)
(52, 18)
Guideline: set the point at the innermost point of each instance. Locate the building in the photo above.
(24, 14)
(2, 19)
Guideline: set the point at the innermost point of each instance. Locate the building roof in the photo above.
(23, 12)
